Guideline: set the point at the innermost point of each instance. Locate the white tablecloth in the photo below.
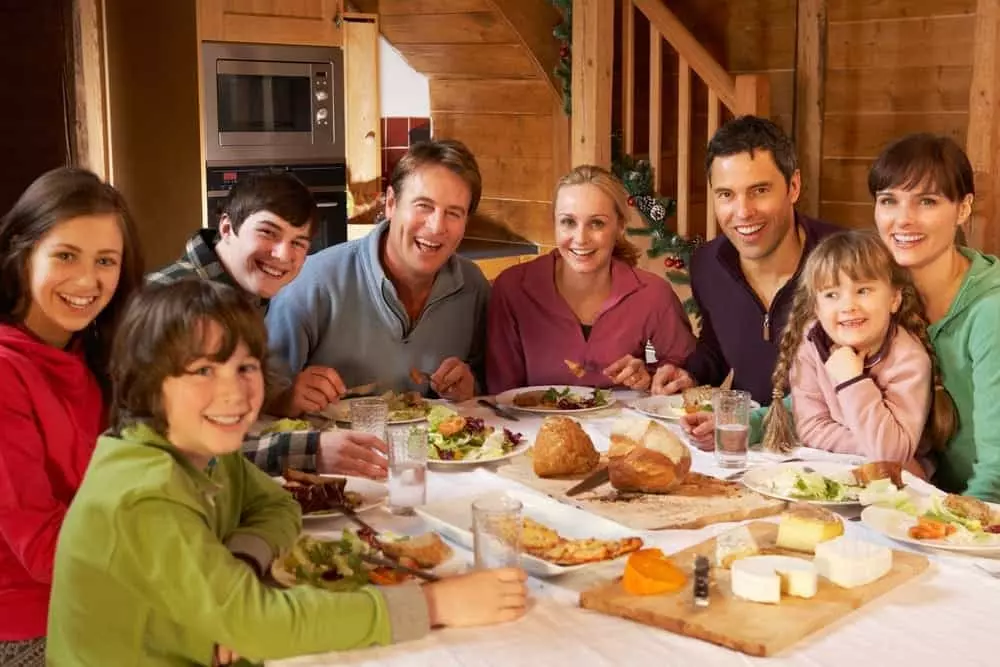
(949, 616)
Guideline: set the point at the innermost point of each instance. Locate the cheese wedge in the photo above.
(765, 578)
(804, 526)
(851, 563)
(733, 545)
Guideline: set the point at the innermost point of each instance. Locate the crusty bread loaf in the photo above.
(876, 470)
(645, 456)
(562, 447)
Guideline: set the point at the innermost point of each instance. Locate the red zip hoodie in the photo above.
(51, 412)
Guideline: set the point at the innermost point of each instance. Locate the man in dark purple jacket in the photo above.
(744, 280)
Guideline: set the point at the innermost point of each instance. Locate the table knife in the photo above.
(385, 562)
(500, 412)
(591, 481)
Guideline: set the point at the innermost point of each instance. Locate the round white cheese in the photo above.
(765, 578)
(851, 563)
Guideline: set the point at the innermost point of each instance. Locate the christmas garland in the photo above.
(637, 176)
(564, 69)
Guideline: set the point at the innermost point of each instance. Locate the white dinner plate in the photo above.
(506, 399)
(372, 494)
(341, 412)
(759, 479)
(666, 407)
(895, 524)
(517, 451)
(453, 520)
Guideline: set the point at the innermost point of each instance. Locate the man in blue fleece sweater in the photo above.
(398, 299)
(744, 280)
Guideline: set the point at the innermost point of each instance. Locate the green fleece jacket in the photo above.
(967, 343)
(146, 573)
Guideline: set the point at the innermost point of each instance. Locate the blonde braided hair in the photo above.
(862, 256)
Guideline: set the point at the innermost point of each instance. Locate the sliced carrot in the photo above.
(649, 572)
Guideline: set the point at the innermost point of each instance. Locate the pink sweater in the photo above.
(531, 330)
(880, 414)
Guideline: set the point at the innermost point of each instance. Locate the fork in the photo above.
(580, 369)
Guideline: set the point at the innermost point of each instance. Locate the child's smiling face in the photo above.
(211, 406)
(857, 313)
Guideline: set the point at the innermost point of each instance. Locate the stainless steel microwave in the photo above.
(267, 104)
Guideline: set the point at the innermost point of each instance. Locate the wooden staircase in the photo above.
(490, 65)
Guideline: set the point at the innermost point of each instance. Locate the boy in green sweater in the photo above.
(160, 554)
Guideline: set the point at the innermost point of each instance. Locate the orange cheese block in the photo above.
(649, 572)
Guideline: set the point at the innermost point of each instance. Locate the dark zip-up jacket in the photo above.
(737, 331)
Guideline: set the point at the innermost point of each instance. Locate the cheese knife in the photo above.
(591, 481)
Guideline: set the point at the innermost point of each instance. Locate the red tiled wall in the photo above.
(397, 135)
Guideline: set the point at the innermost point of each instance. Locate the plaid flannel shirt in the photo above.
(273, 452)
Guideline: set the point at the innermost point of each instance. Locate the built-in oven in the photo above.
(326, 182)
(270, 104)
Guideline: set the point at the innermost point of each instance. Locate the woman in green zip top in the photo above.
(923, 190)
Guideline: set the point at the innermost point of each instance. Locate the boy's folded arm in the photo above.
(169, 556)
(270, 519)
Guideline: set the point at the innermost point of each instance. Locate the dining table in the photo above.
(948, 616)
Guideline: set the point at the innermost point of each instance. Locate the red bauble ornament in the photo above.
(563, 51)
(631, 201)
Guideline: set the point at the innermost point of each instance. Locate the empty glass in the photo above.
(407, 468)
(731, 408)
(496, 531)
(369, 415)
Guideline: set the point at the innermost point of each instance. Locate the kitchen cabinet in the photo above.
(363, 143)
(300, 22)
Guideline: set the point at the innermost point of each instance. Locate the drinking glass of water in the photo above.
(369, 415)
(496, 531)
(407, 468)
(731, 408)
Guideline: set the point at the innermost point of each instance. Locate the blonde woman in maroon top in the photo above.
(862, 371)
(584, 302)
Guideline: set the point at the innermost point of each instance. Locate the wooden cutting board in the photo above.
(750, 627)
(698, 502)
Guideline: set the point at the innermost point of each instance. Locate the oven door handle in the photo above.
(327, 204)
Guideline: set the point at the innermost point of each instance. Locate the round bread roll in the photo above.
(562, 447)
(645, 456)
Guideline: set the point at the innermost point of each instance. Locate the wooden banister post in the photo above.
(810, 71)
(628, 77)
(753, 95)
(593, 54)
(983, 138)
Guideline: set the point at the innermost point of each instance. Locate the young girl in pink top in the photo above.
(863, 374)
(584, 302)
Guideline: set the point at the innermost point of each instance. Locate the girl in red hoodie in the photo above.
(69, 261)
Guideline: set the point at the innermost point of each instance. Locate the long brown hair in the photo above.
(861, 256)
(607, 183)
(164, 330)
(55, 197)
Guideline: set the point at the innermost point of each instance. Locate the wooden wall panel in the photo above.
(516, 178)
(852, 10)
(513, 96)
(850, 215)
(528, 219)
(498, 135)
(864, 135)
(930, 42)
(888, 90)
(845, 180)
(477, 27)
(470, 60)
(893, 67)
(394, 7)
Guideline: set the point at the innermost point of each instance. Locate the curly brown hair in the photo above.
(607, 183)
(861, 255)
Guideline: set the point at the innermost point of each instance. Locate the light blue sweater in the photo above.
(343, 312)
